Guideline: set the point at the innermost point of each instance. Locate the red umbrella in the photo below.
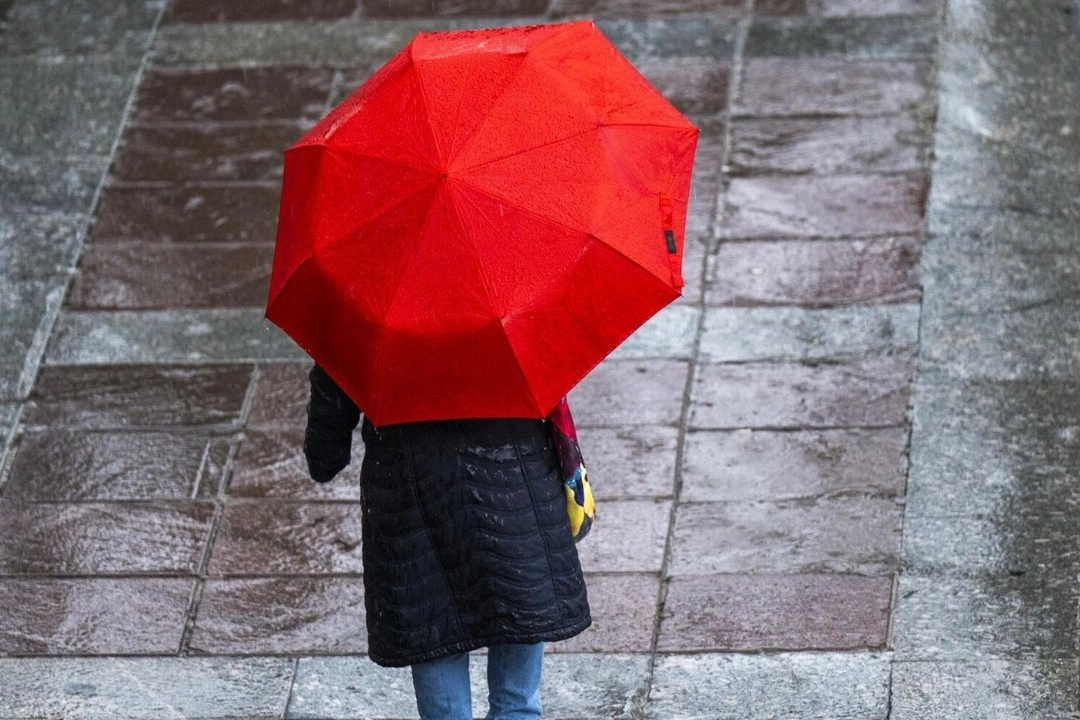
(480, 223)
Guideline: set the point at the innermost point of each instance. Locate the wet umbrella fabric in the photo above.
(482, 222)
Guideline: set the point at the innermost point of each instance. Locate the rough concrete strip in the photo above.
(47, 185)
(985, 690)
(165, 688)
(9, 417)
(578, 687)
(823, 686)
(25, 306)
(352, 44)
(64, 106)
(36, 247)
(850, 38)
(168, 336)
(669, 334)
(788, 333)
(79, 27)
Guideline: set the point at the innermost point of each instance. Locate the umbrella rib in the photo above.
(427, 106)
(383, 211)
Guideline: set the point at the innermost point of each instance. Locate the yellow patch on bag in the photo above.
(580, 505)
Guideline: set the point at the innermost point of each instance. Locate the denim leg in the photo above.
(514, 681)
(442, 688)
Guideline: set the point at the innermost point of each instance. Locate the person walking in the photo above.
(467, 544)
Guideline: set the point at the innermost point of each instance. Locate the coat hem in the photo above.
(501, 638)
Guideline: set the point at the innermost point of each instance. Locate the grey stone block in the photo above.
(141, 688)
(853, 38)
(45, 185)
(169, 336)
(985, 690)
(752, 334)
(578, 687)
(823, 686)
(672, 37)
(669, 334)
(80, 27)
(988, 617)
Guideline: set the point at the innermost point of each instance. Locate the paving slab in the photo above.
(824, 686)
(859, 534)
(863, 38)
(624, 616)
(1003, 617)
(168, 337)
(837, 87)
(865, 393)
(631, 392)
(766, 612)
(643, 8)
(40, 247)
(985, 689)
(93, 616)
(668, 335)
(271, 464)
(114, 688)
(847, 8)
(575, 687)
(782, 334)
(630, 461)
(291, 615)
(287, 537)
(744, 465)
(633, 532)
(61, 106)
(76, 465)
(819, 273)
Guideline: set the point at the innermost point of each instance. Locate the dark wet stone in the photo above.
(843, 206)
(1005, 450)
(138, 396)
(39, 247)
(762, 465)
(623, 609)
(631, 392)
(695, 87)
(775, 612)
(63, 107)
(643, 8)
(66, 465)
(232, 94)
(630, 461)
(271, 464)
(280, 537)
(856, 38)
(78, 27)
(130, 275)
(980, 689)
(826, 272)
(103, 538)
(93, 616)
(704, 188)
(672, 38)
(871, 393)
(826, 146)
(187, 213)
(44, 185)
(224, 11)
(954, 618)
(635, 532)
(280, 396)
(452, 8)
(204, 152)
(272, 616)
(844, 534)
(781, 86)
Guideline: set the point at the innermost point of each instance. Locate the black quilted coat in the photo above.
(466, 542)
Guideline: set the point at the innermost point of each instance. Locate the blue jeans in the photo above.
(513, 673)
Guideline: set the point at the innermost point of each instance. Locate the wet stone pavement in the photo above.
(836, 479)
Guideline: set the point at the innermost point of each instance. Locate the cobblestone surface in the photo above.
(835, 478)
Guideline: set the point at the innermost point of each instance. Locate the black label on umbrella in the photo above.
(669, 238)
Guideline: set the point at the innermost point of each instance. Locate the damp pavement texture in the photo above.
(836, 479)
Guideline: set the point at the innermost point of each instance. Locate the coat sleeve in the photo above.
(332, 417)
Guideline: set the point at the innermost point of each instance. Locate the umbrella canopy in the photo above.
(482, 222)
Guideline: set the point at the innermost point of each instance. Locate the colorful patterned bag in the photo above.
(580, 506)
